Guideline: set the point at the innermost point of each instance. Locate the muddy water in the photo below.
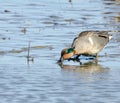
(49, 26)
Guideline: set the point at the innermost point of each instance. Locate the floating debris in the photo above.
(24, 30)
(69, 20)
(54, 16)
(24, 49)
(117, 18)
(70, 1)
(5, 38)
(6, 11)
(15, 51)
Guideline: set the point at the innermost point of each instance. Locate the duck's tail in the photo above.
(110, 37)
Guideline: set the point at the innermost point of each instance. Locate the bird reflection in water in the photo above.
(86, 68)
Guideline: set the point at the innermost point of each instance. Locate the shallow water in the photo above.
(50, 26)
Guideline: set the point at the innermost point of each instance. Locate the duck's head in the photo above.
(66, 54)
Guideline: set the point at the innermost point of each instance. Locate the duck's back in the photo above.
(90, 42)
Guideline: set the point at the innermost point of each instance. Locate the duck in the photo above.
(88, 43)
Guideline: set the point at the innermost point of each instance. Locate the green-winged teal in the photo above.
(86, 43)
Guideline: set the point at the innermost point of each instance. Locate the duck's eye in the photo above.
(70, 50)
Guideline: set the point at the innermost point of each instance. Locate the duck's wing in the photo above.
(88, 40)
(105, 35)
(100, 39)
(80, 35)
(102, 34)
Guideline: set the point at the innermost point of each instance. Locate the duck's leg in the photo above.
(96, 59)
(71, 59)
(96, 56)
(93, 57)
(75, 58)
